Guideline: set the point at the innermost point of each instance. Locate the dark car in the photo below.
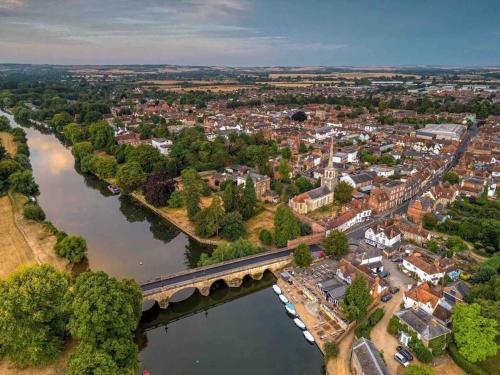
(405, 352)
(384, 274)
(397, 259)
(394, 289)
(386, 298)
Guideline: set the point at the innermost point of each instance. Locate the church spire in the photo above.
(330, 158)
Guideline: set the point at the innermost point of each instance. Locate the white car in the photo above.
(401, 359)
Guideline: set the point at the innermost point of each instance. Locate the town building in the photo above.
(366, 359)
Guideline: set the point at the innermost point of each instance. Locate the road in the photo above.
(354, 234)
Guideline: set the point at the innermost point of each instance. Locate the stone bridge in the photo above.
(232, 273)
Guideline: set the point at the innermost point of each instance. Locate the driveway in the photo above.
(396, 277)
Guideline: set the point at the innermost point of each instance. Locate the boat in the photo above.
(308, 336)
(277, 289)
(146, 372)
(283, 298)
(299, 323)
(114, 189)
(290, 308)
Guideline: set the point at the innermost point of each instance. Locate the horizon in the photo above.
(242, 33)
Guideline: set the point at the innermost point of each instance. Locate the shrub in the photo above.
(72, 248)
(175, 200)
(363, 330)
(376, 316)
(266, 237)
(33, 211)
(393, 326)
(421, 352)
(331, 350)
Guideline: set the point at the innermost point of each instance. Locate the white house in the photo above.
(421, 296)
(383, 236)
(347, 220)
(162, 145)
(382, 171)
(427, 267)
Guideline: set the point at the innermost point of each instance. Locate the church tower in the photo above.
(330, 174)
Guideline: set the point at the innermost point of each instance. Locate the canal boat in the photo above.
(299, 323)
(277, 289)
(308, 336)
(290, 308)
(146, 372)
(283, 298)
(114, 189)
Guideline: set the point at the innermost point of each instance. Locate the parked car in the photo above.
(405, 352)
(401, 359)
(384, 274)
(394, 289)
(397, 259)
(386, 298)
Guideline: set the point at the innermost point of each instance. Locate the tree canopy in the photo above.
(335, 244)
(357, 298)
(302, 255)
(286, 226)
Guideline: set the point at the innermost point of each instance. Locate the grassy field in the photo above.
(263, 220)
(7, 141)
(23, 241)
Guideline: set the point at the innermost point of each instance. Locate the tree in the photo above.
(302, 255)
(74, 133)
(175, 200)
(101, 135)
(32, 211)
(451, 177)
(230, 197)
(336, 244)
(284, 170)
(7, 167)
(89, 360)
(299, 116)
(207, 220)
(192, 189)
(456, 244)
(61, 119)
(72, 248)
(331, 351)
(303, 184)
(80, 150)
(232, 226)
(266, 237)
(33, 314)
(286, 226)
(248, 199)
(302, 148)
(432, 245)
(130, 177)
(3, 152)
(343, 192)
(357, 298)
(23, 182)
(429, 221)
(103, 308)
(105, 167)
(158, 188)
(474, 334)
(147, 156)
(286, 153)
(420, 370)
(485, 273)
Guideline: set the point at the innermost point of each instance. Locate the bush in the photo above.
(175, 200)
(331, 351)
(232, 226)
(421, 352)
(266, 237)
(363, 330)
(33, 211)
(393, 326)
(468, 367)
(376, 316)
(72, 248)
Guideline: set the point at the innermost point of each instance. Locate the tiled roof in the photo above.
(369, 357)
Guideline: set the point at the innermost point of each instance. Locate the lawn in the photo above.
(7, 141)
(263, 220)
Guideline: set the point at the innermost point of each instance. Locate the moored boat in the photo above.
(290, 308)
(276, 289)
(309, 337)
(283, 298)
(299, 323)
(114, 189)
(146, 372)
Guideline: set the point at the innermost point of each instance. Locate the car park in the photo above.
(401, 359)
(394, 289)
(386, 298)
(405, 352)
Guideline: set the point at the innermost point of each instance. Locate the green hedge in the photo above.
(468, 367)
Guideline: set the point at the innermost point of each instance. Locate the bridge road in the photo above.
(355, 233)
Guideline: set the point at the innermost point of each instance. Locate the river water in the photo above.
(243, 330)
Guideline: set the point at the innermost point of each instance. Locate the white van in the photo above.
(401, 359)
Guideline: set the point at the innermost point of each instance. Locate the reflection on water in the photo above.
(226, 334)
(124, 238)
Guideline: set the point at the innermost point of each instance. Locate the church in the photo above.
(322, 196)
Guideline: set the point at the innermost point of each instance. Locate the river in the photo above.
(243, 330)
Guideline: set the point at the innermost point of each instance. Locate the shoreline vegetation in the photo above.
(53, 321)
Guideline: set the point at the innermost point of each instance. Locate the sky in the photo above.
(251, 32)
